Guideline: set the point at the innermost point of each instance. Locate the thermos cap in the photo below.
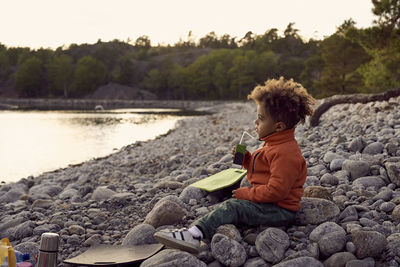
(49, 242)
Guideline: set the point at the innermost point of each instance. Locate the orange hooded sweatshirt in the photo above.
(277, 172)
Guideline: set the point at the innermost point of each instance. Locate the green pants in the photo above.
(244, 212)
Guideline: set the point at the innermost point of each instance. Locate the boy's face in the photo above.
(265, 125)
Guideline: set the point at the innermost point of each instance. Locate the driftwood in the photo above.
(352, 99)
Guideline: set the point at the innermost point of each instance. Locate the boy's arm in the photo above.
(284, 172)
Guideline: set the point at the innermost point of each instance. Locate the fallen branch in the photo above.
(351, 99)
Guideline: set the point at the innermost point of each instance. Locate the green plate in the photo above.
(220, 180)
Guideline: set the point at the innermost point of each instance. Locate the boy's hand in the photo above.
(234, 193)
(233, 152)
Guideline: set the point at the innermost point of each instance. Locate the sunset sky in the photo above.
(54, 23)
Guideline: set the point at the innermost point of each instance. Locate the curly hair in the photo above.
(285, 100)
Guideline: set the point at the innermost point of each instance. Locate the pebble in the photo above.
(350, 214)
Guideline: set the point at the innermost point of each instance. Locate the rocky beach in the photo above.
(350, 213)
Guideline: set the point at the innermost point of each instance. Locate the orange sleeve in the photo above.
(284, 172)
(246, 161)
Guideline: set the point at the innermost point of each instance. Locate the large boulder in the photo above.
(316, 211)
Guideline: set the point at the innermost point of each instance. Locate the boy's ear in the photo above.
(280, 126)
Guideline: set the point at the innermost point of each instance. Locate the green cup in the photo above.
(239, 154)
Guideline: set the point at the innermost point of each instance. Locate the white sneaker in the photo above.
(180, 239)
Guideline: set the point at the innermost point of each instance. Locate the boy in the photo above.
(277, 171)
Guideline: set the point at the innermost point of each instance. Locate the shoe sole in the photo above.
(176, 243)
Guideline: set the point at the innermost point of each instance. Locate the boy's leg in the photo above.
(238, 211)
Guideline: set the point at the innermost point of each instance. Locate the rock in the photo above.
(300, 262)
(141, 234)
(336, 164)
(191, 192)
(94, 240)
(368, 243)
(42, 203)
(256, 262)
(357, 144)
(329, 180)
(165, 213)
(367, 262)
(271, 244)
(227, 251)
(12, 195)
(393, 245)
(316, 210)
(393, 171)
(349, 214)
(76, 229)
(370, 181)
(325, 228)
(317, 192)
(396, 214)
(171, 257)
(30, 248)
(339, 259)
(373, 148)
(230, 231)
(172, 198)
(68, 193)
(102, 193)
(23, 230)
(332, 243)
(356, 168)
(45, 189)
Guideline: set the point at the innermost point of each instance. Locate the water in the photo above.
(33, 142)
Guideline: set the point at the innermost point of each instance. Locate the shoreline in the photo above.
(91, 104)
(350, 210)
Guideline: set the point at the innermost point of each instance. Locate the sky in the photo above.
(54, 23)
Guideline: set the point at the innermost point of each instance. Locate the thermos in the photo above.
(49, 243)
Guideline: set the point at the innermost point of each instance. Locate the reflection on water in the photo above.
(34, 142)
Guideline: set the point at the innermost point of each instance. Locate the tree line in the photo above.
(351, 60)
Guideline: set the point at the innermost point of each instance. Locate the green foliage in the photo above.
(89, 74)
(29, 77)
(342, 57)
(60, 75)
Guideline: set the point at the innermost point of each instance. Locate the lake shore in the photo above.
(91, 104)
(352, 193)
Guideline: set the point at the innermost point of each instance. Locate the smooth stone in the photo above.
(332, 243)
(339, 259)
(165, 213)
(368, 243)
(373, 148)
(228, 251)
(317, 192)
(191, 192)
(325, 228)
(102, 193)
(316, 211)
(255, 262)
(329, 180)
(301, 261)
(370, 181)
(367, 262)
(393, 172)
(230, 231)
(172, 257)
(336, 164)
(271, 244)
(356, 168)
(141, 234)
(357, 144)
